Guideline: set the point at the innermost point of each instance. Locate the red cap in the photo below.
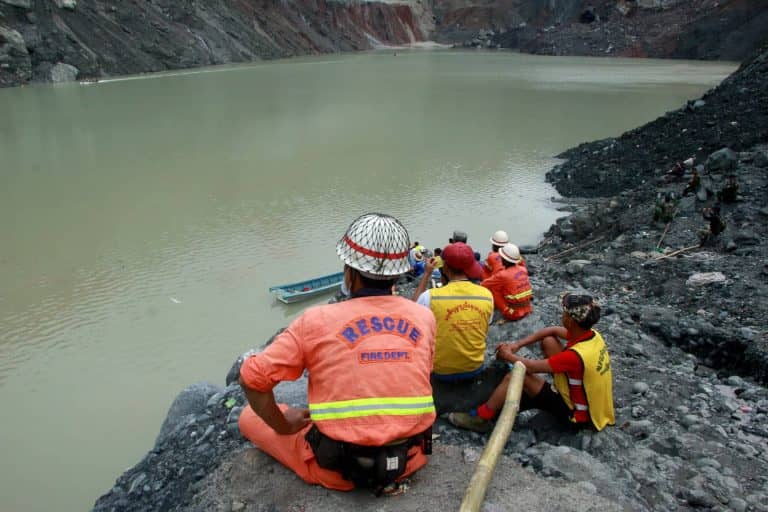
(460, 256)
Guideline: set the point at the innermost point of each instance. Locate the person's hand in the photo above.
(506, 352)
(296, 419)
(430, 266)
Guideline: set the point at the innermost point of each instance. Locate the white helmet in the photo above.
(500, 238)
(510, 252)
(377, 245)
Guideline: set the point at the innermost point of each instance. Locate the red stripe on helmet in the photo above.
(374, 254)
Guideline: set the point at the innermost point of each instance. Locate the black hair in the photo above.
(377, 284)
(571, 300)
(438, 251)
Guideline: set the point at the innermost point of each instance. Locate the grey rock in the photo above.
(746, 237)
(705, 278)
(26, 4)
(234, 372)
(737, 505)
(137, 482)
(699, 498)
(640, 428)
(640, 388)
(15, 62)
(699, 103)
(192, 400)
(62, 72)
(689, 420)
(722, 160)
(66, 4)
(237, 506)
(761, 159)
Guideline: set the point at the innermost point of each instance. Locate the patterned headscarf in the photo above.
(584, 309)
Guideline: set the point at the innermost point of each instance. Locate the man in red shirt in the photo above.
(582, 392)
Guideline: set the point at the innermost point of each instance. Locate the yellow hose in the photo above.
(475, 494)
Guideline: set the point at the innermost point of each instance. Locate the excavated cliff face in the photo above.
(101, 38)
(705, 29)
(52, 40)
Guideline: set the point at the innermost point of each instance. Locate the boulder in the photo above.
(66, 4)
(704, 278)
(746, 237)
(722, 160)
(191, 401)
(15, 63)
(761, 159)
(26, 4)
(62, 72)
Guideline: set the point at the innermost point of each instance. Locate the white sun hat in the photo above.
(500, 238)
(510, 252)
(377, 245)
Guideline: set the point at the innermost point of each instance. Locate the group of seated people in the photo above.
(375, 360)
(463, 305)
(503, 272)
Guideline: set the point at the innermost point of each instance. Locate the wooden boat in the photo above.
(303, 290)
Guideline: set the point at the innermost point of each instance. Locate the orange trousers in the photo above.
(294, 452)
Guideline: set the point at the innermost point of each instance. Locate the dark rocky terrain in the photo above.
(687, 336)
(45, 40)
(705, 29)
(64, 40)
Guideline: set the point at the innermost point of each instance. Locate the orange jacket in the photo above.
(369, 361)
(512, 293)
(493, 264)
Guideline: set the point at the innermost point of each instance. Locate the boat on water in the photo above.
(303, 290)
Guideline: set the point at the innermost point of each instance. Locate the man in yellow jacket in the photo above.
(582, 394)
(462, 311)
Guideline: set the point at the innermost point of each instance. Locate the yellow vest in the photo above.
(462, 310)
(597, 381)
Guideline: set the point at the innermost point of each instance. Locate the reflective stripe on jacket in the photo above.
(462, 310)
(369, 361)
(597, 381)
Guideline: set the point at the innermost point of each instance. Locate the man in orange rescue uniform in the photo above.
(493, 262)
(511, 288)
(369, 359)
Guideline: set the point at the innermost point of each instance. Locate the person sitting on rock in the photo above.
(676, 173)
(458, 236)
(463, 311)
(368, 359)
(665, 208)
(730, 191)
(511, 288)
(716, 225)
(493, 262)
(438, 252)
(582, 393)
(693, 184)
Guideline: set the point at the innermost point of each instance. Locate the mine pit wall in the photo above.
(101, 38)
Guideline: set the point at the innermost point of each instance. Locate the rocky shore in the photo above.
(687, 336)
